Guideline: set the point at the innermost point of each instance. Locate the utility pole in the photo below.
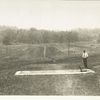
(68, 44)
(68, 47)
(44, 51)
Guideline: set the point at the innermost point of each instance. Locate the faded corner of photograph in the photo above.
(50, 47)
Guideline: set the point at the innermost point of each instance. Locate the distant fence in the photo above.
(44, 51)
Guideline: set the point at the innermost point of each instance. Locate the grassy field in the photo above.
(30, 57)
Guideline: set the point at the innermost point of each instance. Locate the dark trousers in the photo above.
(85, 62)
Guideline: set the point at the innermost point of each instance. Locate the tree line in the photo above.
(9, 36)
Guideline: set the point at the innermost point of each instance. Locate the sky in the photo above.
(50, 14)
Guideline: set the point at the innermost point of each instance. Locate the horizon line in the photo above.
(70, 29)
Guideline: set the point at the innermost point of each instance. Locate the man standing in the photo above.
(84, 57)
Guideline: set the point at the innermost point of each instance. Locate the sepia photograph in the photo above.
(50, 47)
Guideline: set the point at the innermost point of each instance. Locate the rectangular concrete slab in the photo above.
(54, 72)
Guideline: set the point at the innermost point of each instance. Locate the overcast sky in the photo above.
(50, 14)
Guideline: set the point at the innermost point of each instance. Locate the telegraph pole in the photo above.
(69, 44)
(44, 51)
(68, 47)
